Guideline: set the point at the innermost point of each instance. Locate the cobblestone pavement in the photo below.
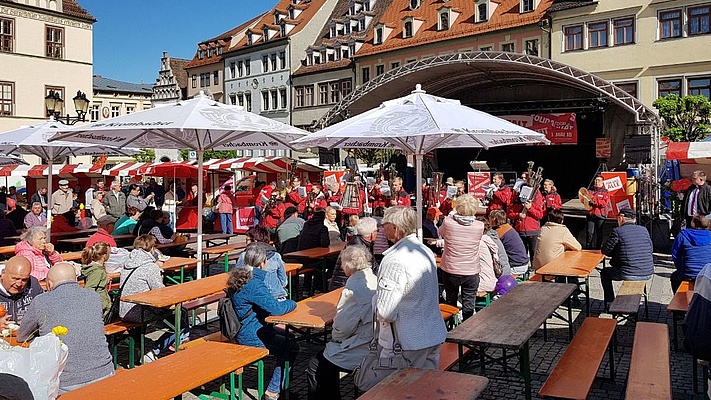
(544, 354)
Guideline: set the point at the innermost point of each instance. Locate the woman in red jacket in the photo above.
(596, 214)
(526, 219)
(551, 199)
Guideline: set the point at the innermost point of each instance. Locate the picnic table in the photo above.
(317, 253)
(179, 264)
(80, 242)
(509, 322)
(220, 251)
(574, 264)
(678, 307)
(175, 296)
(413, 384)
(167, 378)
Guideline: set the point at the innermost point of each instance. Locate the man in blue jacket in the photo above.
(691, 251)
(630, 247)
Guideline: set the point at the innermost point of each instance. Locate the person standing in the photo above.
(41, 197)
(501, 196)
(697, 199)
(526, 218)
(157, 191)
(596, 214)
(350, 162)
(115, 200)
(225, 206)
(134, 198)
(551, 199)
(400, 161)
(98, 209)
(399, 197)
(62, 199)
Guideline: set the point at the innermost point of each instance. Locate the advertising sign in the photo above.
(603, 148)
(476, 183)
(559, 128)
(245, 218)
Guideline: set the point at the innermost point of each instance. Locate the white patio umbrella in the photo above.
(11, 160)
(32, 140)
(198, 124)
(419, 123)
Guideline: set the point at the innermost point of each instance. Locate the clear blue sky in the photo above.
(131, 35)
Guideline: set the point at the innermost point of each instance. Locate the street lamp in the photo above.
(54, 105)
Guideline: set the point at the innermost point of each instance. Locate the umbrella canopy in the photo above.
(199, 124)
(690, 152)
(419, 123)
(11, 160)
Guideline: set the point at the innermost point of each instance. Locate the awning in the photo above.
(66, 171)
(270, 164)
(689, 152)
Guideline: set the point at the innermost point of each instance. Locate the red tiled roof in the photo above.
(224, 40)
(505, 16)
(177, 65)
(71, 7)
(331, 65)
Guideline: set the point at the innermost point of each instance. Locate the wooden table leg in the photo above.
(526, 369)
(178, 312)
(587, 296)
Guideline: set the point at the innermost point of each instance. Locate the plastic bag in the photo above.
(39, 365)
(117, 259)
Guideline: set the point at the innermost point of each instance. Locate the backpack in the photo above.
(230, 324)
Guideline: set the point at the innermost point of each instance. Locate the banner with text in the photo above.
(559, 128)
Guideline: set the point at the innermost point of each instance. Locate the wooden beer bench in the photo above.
(116, 330)
(678, 307)
(649, 377)
(420, 384)
(626, 303)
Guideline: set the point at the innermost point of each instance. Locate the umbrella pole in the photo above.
(49, 199)
(418, 202)
(199, 227)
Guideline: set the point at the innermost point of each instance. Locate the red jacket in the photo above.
(532, 221)
(401, 198)
(551, 201)
(600, 200)
(377, 199)
(37, 259)
(294, 198)
(101, 236)
(274, 215)
(501, 199)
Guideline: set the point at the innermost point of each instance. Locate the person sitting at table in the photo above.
(64, 223)
(141, 273)
(352, 328)
(691, 251)
(334, 232)
(460, 268)
(515, 249)
(501, 250)
(134, 198)
(98, 209)
(36, 217)
(407, 302)
(289, 230)
(127, 222)
(144, 216)
(34, 247)
(103, 232)
(554, 239)
(152, 226)
(17, 289)
(7, 229)
(489, 262)
(314, 234)
(253, 303)
(68, 304)
(17, 216)
(275, 273)
(93, 268)
(367, 232)
(630, 249)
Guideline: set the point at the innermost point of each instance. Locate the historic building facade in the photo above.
(114, 98)
(172, 82)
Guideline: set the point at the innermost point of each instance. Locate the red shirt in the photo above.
(532, 221)
(401, 198)
(501, 199)
(377, 199)
(552, 201)
(274, 215)
(263, 195)
(600, 200)
(101, 236)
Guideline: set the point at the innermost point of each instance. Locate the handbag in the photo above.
(375, 368)
(112, 314)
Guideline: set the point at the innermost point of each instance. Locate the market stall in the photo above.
(35, 176)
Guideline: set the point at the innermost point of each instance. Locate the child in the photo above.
(93, 259)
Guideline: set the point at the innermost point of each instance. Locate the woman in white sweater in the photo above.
(406, 298)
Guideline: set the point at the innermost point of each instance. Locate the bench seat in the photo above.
(649, 377)
(119, 327)
(628, 297)
(576, 370)
(449, 355)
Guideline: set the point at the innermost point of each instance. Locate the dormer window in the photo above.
(443, 23)
(352, 9)
(265, 32)
(414, 4)
(291, 13)
(249, 38)
(407, 29)
(366, 5)
(294, 1)
(482, 11)
(345, 53)
(361, 24)
(219, 50)
(323, 55)
(333, 31)
(378, 35)
(201, 54)
(277, 17)
(209, 52)
(317, 59)
(282, 28)
(347, 26)
(528, 5)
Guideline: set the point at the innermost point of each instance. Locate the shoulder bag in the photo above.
(113, 313)
(375, 368)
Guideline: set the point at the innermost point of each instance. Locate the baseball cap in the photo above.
(105, 220)
(627, 213)
(433, 212)
(290, 210)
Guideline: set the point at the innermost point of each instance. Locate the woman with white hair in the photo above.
(35, 248)
(462, 235)
(367, 232)
(407, 301)
(352, 326)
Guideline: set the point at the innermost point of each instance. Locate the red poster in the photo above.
(559, 128)
(245, 218)
(477, 181)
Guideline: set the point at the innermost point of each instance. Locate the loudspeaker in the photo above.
(660, 232)
(328, 157)
(638, 149)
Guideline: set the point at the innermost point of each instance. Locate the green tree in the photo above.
(146, 155)
(686, 119)
(210, 154)
(372, 156)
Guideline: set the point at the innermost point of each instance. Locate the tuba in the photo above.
(435, 188)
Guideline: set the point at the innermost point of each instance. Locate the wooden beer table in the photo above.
(317, 253)
(415, 384)
(220, 251)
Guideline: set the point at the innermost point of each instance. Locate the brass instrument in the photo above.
(585, 198)
(533, 182)
(435, 187)
(291, 171)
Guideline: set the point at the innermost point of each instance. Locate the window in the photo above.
(309, 96)
(219, 50)
(58, 90)
(672, 86)
(216, 78)
(115, 110)
(7, 35)
(407, 29)
(54, 42)
(333, 31)
(207, 79)
(414, 4)
(233, 99)
(669, 24)
(209, 52)
(700, 86)
(394, 65)
(346, 88)
(630, 87)
(247, 68)
(532, 47)
(248, 101)
(299, 96)
(699, 20)
(379, 70)
(7, 90)
(130, 109)
(194, 79)
(597, 34)
(486, 48)
(202, 80)
(483, 15)
(361, 24)
(322, 93)
(265, 101)
(347, 27)
(274, 61)
(527, 5)
(365, 74)
(274, 103)
(240, 100)
(265, 63)
(201, 54)
(233, 70)
(240, 66)
(573, 37)
(508, 47)
(444, 20)
(624, 31)
(94, 112)
(412, 60)
(282, 60)
(249, 38)
(335, 92)
(265, 33)
(379, 35)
